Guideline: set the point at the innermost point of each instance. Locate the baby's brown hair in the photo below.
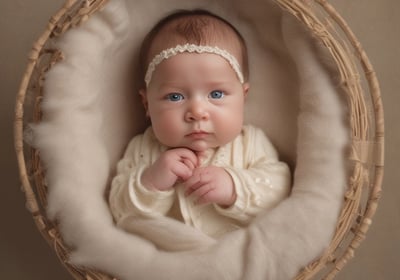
(198, 27)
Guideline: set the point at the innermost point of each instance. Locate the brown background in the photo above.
(25, 255)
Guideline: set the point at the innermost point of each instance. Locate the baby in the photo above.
(197, 163)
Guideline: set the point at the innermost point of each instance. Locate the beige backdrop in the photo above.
(25, 255)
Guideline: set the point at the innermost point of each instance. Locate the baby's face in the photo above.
(195, 101)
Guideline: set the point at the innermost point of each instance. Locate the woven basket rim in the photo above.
(303, 10)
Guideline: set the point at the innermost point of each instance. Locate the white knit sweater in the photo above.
(261, 182)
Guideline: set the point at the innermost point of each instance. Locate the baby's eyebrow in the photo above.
(170, 88)
(171, 84)
(218, 83)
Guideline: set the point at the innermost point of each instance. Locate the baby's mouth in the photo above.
(198, 134)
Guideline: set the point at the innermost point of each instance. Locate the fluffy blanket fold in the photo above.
(90, 114)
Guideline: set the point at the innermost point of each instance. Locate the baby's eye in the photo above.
(174, 97)
(216, 94)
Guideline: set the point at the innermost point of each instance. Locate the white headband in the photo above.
(191, 48)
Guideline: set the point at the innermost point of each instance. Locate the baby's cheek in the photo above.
(230, 123)
(166, 129)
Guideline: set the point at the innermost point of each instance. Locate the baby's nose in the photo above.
(197, 111)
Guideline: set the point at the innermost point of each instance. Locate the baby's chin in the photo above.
(200, 146)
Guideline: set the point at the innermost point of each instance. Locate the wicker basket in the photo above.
(358, 80)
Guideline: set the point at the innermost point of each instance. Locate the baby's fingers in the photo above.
(187, 157)
(194, 182)
(189, 163)
(202, 194)
(182, 171)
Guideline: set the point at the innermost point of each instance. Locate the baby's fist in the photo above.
(211, 185)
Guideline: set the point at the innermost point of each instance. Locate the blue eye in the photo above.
(216, 94)
(174, 97)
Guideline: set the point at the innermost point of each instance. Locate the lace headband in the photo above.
(191, 48)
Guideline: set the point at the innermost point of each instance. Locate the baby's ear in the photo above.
(246, 88)
(143, 95)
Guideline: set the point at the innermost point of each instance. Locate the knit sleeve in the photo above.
(128, 196)
(262, 184)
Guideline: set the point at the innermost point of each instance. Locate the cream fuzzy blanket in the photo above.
(91, 112)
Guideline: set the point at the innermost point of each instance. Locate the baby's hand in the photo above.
(211, 184)
(170, 166)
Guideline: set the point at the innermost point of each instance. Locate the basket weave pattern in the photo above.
(358, 81)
